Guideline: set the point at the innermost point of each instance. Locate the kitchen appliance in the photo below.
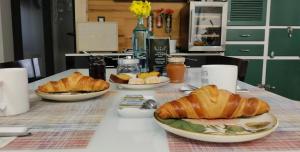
(203, 26)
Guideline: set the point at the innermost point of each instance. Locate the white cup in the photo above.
(14, 98)
(223, 76)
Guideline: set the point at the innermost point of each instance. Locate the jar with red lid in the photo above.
(176, 69)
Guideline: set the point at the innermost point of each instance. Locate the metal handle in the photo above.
(245, 35)
(290, 32)
(110, 66)
(245, 50)
(272, 55)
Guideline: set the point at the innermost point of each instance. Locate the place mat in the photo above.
(285, 138)
(58, 125)
(277, 141)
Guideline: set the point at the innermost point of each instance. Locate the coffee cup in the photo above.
(223, 76)
(14, 98)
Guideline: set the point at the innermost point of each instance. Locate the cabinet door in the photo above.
(247, 12)
(281, 44)
(285, 12)
(254, 72)
(283, 78)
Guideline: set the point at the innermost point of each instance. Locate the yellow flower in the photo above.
(140, 8)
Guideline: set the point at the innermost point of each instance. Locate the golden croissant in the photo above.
(209, 102)
(76, 82)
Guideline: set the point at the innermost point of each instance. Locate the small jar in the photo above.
(97, 68)
(128, 66)
(176, 69)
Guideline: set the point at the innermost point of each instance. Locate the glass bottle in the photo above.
(97, 68)
(139, 44)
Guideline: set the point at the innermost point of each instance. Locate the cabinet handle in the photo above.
(245, 35)
(272, 55)
(290, 32)
(110, 66)
(245, 50)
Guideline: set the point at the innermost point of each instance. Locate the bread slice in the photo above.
(148, 74)
(120, 78)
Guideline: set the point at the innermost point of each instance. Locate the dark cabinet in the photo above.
(283, 78)
(82, 62)
(254, 72)
(285, 13)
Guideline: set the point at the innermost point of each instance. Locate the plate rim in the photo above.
(143, 86)
(252, 136)
(94, 94)
(167, 81)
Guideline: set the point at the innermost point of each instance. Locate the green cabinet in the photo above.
(285, 13)
(254, 72)
(244, 50)
(283, 78)
(247, 12)
(283, 44)
(245, 35)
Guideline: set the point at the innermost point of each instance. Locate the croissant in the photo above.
(74, 83)
(209, 102)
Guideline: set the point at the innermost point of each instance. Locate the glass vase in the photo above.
(139, 44)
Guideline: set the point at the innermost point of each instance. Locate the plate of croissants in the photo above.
(146, 80)
(215, 115)
(75, 87)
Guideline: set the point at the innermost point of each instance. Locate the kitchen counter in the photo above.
(130, 53)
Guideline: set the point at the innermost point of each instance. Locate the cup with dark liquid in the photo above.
(97, 68)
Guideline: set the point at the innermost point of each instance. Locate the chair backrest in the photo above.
(240, 63)
(31, 65)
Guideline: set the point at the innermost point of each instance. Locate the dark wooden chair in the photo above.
(31, 65)
(198, 61)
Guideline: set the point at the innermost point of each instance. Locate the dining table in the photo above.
(94, 125)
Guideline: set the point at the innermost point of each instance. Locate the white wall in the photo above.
(6, 35)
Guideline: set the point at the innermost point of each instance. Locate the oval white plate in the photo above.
(70, 96)
(226, 130)
(164, 81)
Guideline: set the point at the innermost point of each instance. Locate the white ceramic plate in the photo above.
(70, 96)
(164, 81)
(222, 130)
